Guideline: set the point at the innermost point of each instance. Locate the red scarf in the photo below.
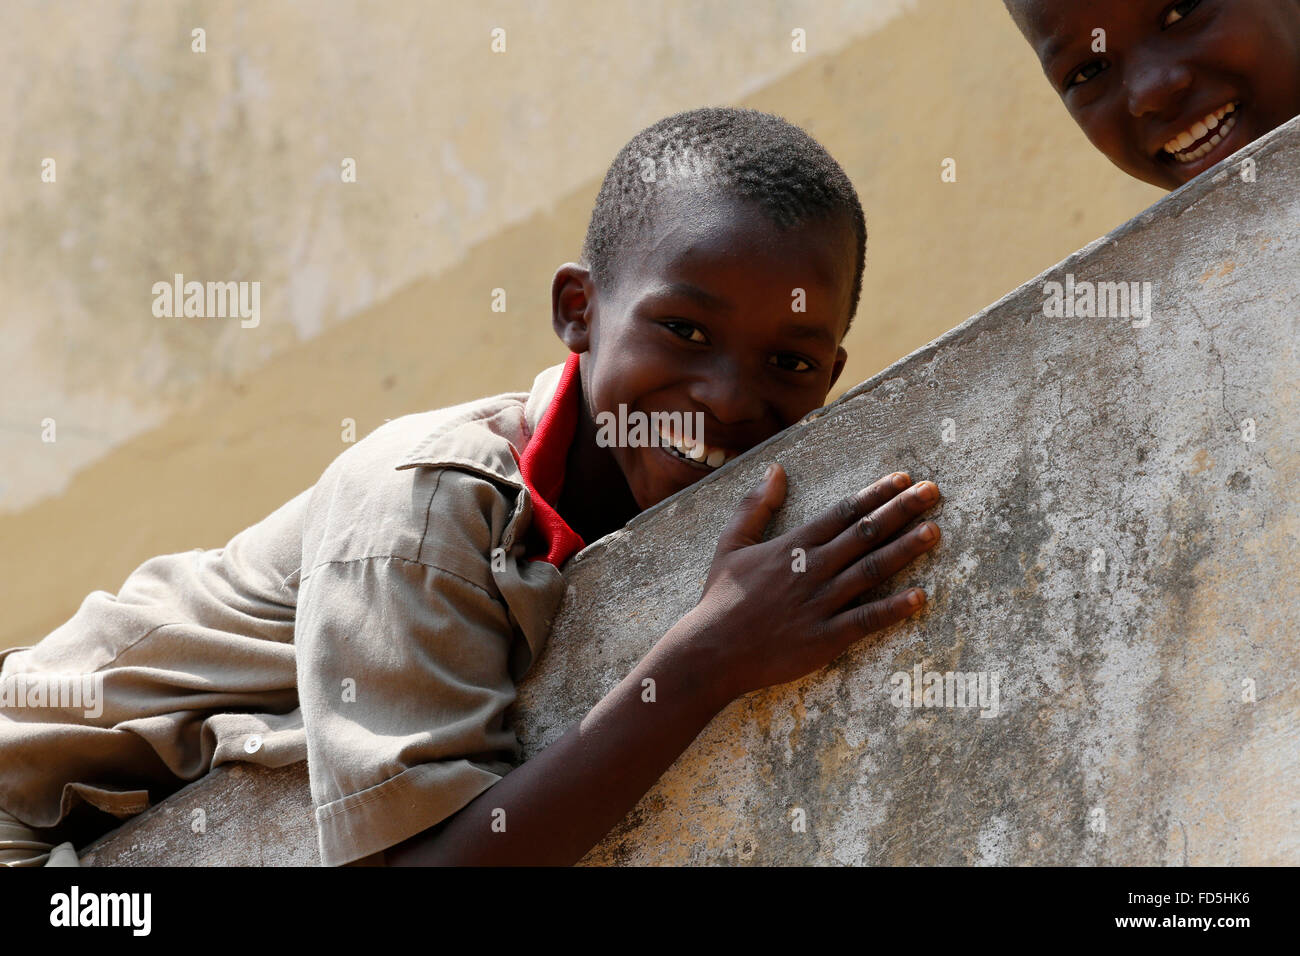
(542, 468)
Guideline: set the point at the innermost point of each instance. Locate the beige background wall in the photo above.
(475, 170)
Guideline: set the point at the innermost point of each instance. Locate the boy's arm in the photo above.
(404, 658)
(559, 804)
(756, 625)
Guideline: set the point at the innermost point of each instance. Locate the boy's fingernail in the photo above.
(901, 480)
(769, 472)
(927, 491)
(927, 532)
(915, 597)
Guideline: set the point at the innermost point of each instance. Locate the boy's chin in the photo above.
(1165, 176)
(1153, 173)
(671, 475)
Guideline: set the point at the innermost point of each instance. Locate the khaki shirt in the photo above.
(362, 626)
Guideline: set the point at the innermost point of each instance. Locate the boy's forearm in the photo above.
(559, 804)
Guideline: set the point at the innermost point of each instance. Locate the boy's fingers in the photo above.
(857, 622)
(847, 510)
(879, 527)
(880, 565)
(754, 512)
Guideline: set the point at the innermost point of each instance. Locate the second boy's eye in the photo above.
(792, 356)
(1084, 73)
(676, 327)
(1178, 11)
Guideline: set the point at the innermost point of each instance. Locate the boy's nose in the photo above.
(728, 396)
(1154, 86)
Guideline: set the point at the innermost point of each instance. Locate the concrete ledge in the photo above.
(1120, 525)
(250, 815)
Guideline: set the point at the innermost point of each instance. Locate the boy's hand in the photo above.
(762, 622)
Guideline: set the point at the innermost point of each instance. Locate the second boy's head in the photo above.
(1179, 85)
(721, 270)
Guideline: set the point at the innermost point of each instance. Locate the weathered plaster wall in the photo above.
(225, 164)
(1123, 733)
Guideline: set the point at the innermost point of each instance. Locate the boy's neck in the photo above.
(595, 499)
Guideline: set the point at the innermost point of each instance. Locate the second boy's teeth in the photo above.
(1219, 120)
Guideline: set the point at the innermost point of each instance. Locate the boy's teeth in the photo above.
(1198, 131)
(696, 450)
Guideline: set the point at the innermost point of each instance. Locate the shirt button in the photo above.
(253, 744)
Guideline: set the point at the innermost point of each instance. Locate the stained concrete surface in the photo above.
(1120, 531)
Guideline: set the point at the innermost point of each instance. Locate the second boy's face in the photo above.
(707, 316)
(1180, 85)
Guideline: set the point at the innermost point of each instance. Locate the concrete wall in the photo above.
(475, 171)
(1120, 536)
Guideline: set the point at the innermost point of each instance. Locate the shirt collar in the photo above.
(473, 441)
(543, 464)
(543, 428)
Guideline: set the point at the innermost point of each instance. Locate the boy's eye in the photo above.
(676, 328)
(1179, 10)
(790, 356)
(1085, 73)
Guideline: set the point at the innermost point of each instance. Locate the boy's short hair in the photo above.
(1017, 9)
(750, 154)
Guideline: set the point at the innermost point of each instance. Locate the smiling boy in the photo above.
(1167, 90)
(681, 295)
(417, 581)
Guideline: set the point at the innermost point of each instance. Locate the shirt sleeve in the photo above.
(404, 679)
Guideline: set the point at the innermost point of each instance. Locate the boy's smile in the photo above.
(702, 317)
(1180, 85)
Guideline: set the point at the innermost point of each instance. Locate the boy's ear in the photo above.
(840, 358)
(573, 298)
